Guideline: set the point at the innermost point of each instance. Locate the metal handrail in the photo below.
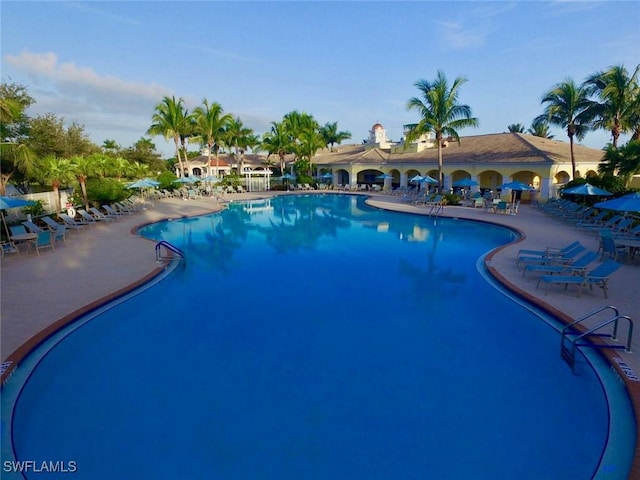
(568, 354)
(170, 247)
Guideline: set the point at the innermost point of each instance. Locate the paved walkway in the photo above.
(38, 291)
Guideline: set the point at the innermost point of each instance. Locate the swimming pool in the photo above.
(315, 337)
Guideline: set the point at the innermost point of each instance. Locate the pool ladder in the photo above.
(172, 248)
(568, 345)
(437, 209)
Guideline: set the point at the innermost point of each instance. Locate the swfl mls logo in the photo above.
(45, 466)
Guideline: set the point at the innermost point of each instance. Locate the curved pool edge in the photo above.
(614, 361)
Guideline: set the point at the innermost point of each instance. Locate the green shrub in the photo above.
(34, 210)
(105, 190)
(167, 180)
(451, 199)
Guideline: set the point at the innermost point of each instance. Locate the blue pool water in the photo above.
(314, 337)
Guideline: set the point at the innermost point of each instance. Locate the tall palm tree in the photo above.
(171, 120)
(310, 141)
(58, 172)
(540, 128)
(17, 157)
(616, 91)
(331, 134)
(278, 142)
(440, 113)
(236, 137)
(568, 107)
(84, 167)
(210, 125)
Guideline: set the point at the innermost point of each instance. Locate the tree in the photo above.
(568, 107)
(110, 147)
(236, 137)
(516, 128)
(440, 113)
(616, 91)
(310, 141)
(171, 120)
(48, 135)
(277, 142)
(210, 125)
(540, 128)
(623, 162)
(58, 172)
(84, 167)
(144, 151)
(18, 160)
(331, 134)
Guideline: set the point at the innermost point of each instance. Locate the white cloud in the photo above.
(102, 103)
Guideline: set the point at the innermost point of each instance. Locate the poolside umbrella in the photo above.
(429, 180)
(286, 177)
(10, 202)
(626, 203)
(384, 176)
(327, 176)
(187, 180)
(417, 178)
(515, 186)
(587, 189)
(211, 178)
(466, 182)
(144, 183)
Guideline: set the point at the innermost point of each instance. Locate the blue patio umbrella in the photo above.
(384, 176)
(587, 189)
(211, 179)
(144, 183)
(327, 176)
(10, 202)
(465, 182)
(626, 203)
(429, 180)
(516, 185)
(187, 180)
(417, 178)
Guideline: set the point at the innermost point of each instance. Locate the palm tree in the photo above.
(623, 162)
(16, 156)
(540, 128)
(210, 125)
(568, 107)
(277, 142)
(516, 128)
(58, 172)
(311, 140)
(440, 113)
(616, 91)
(331, 134)
(84, 167)
(236, 136)
(171, 120)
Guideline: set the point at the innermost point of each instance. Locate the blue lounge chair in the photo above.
(574, 267)
(549, 250)
(87, 217)
(563, 257)
(598, 276)
(51, 223)
(71, 222)
(98, 215)
(32, 226)
(608, 245)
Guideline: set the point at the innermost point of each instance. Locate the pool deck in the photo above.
(38, 293)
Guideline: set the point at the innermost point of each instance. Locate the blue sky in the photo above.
(106, 64)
